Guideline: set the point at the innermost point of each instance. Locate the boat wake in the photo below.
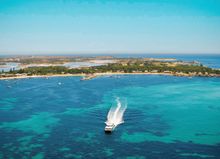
(115, 114)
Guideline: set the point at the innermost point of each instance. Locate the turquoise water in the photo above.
(167, 117)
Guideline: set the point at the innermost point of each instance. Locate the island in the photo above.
(91, 67)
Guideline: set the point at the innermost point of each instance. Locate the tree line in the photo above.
(117, 67)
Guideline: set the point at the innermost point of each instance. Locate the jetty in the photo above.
(88, 77)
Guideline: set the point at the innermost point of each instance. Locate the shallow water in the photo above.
(80, 64)
(9, 66)
(166, 117)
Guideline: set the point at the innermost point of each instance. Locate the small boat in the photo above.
(109, 128)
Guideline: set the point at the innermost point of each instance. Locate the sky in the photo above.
(109, 26)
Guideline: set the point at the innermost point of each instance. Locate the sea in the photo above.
(166, 117)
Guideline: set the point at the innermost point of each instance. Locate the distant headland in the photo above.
(90, 67)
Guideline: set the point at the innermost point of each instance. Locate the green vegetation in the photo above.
(126, 66)
(156, 67)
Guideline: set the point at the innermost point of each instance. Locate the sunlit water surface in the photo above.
(166, 117)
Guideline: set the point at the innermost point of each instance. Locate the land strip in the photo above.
(118, 66)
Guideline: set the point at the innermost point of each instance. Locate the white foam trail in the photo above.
(115, 114)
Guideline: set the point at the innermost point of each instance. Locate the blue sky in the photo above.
(109, 26)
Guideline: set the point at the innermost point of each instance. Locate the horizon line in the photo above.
(99, 53)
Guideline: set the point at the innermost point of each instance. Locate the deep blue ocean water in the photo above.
(167, 117)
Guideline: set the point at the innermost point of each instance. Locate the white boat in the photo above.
(109, 128)
(115, 116)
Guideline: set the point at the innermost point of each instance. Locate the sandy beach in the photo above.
(40, 76)
(89, 76)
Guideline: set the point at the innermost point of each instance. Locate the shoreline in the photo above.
(40, 76)
(91, 76)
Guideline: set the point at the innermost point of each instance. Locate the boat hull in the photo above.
(109, 128)
(108, 131)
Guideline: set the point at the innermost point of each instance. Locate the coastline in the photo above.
(40, 76)
(45, 67)
(91, 76)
